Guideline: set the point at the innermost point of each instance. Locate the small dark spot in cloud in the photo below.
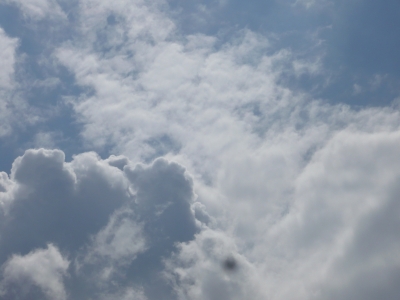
(230, 264)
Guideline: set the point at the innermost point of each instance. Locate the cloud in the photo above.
(193, 98)
(197, 271)
(285, 177)
(15, 111)
(112, 222)
(7, 59)
(7, 64)
(333, 239)
(44, 268)
(122, 238)
(337, 225)
(46, 139)
(63, 197)
(354, 211)
(299, 192)
(38, 9)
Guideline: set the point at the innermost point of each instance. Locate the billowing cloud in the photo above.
(110, 222)
(334, 235)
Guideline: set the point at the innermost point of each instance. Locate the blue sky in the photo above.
(143, 143)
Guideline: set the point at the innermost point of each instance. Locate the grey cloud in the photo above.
(42, 268)
(162, 194)
(114, 225)
(71, 201)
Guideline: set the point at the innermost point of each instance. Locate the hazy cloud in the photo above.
(38, 9)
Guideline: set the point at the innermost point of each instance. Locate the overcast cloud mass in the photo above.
(199, 150)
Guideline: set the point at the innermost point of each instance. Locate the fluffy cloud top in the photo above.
(110, 222)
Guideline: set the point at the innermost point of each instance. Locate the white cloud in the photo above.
(44, 268)
(7, 59)
(121, 239)
(15, 112)
(38, 9)
(294, 189)
(6, 187)
(315, 236)
(187, 96)
(46, 139)
(333, 237)
(8, 48)
(198, 272)
(348, 191)
(288, 179)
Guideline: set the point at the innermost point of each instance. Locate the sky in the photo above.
(199, 150)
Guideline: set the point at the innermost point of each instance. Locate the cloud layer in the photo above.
(121, 228)
(216, 149)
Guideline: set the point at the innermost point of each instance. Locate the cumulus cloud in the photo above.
(335, 236)
(299, 193)
(250, 142)
(113, 223)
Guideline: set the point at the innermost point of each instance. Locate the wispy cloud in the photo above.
(38, 9)
(7, 63)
